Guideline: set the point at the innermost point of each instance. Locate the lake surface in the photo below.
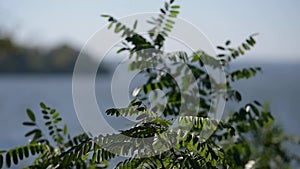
(279, 85)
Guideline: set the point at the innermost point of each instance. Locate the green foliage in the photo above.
(247, 135)
(61, 150)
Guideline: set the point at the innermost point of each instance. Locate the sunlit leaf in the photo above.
(175, 6)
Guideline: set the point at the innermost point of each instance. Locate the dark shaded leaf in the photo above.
(238, 96)
(257, 103)
(8, 159)
(20, 153)
(162, 11)
(46, 117)
(227, 42)
(44, 112)
(32, 132)
(1, 160)
(141, 109)
(29, 124)
(122, 49)
(220, 47)
(26, 152)
(14, 156)
(221, 55)
(32, 150)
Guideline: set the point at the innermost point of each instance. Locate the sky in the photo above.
(49, 23)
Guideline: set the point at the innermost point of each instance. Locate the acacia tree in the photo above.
(175, 127)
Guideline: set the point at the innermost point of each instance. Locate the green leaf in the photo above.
(110, 25)
(252, 40)
(118, 28)
(8, 159)
(51, 133)
(162, 11)
(135, 24)
(122, 49)
(254, 109)
(15, 157)
(257, 103)
(52, 111)
(105, 16)
(227, 42)
(169, 25)
(174, 12)
(113, 112)
(175, 7)
(57, 120)
(1, 160)
(220, 47)
(237, 96)
(43, 106)
(32, 132)
(242, 52)
(46, 117)
(29, 124)
(111, 19)
(44, 112)
(84, 157)
(32, 150)
(221, 55)
(26, 152)
(31, 115)
(59, 130)
(48, 123)
(245, 46)
(172, 15)
(65, 130)
(20, 153)
(170, 21)
(167, 29)
(55, 115)
(166, 6)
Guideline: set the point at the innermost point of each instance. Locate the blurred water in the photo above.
(278, 85)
